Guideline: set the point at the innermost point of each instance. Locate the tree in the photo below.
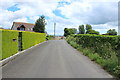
(81, 29)
(69, 31)
(66, 32)
(90, 31)
(111, 32)
(72, 30)
(40, 25)
(88, 27)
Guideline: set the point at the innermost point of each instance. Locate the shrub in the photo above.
(94, 57)
(103, 49)
(9, 41)
(0, 44)
(31, 38)
(49, 37)
(117, 71)
(101, 44)
(9, 47)
(87, 51)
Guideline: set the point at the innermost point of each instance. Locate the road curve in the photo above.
(53, 59)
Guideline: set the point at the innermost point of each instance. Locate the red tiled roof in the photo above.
(28, 26)
(23, 23)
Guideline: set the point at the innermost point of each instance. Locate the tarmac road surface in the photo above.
(53, 59)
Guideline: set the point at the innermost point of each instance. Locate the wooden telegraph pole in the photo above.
(54, 29)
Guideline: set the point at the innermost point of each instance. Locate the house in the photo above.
(22, 26)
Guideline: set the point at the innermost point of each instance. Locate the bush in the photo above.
(94, 57)
(103, 49)
(117, 71)
(49, 37)
(31, 38)
(86, 51)
(9, 41)
(90, 31)
(101, 44)
(9, 47)
(0, 44)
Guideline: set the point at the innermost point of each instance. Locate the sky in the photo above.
(101, 14)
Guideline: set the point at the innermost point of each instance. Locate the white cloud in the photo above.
(23, 19)
(93, 13)
(102, 14)
(103, 28)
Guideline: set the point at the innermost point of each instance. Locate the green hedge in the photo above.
(31, 38)
(49, 37)
(0, 44)
(10, 46)
(98, 43)
(103, 49)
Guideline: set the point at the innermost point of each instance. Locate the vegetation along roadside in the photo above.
(103, 49)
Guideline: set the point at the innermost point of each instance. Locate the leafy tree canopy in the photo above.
(88, 27)
(69, 31)
(40, 25)
(111, 32)
(90, 31)
(81, 29)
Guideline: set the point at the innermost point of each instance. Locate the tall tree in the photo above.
(88, 27)
(69, 31)
(40, 25)
(66, 32)
(81, 29)
(72, 30)
(90, 31)
(111, 32)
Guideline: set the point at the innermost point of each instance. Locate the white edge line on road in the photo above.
(5, 61)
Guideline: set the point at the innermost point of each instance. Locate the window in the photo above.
(22, 29)
(18, 28)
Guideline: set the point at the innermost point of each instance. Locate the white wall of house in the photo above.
(14, 28)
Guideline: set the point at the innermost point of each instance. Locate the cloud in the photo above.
(91, 12)
(101, 14)
(103, 28)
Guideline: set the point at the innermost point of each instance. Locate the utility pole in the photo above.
(54, 29)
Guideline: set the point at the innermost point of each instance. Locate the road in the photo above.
(53, 59)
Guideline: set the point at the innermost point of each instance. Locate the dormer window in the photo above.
(22, 28)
